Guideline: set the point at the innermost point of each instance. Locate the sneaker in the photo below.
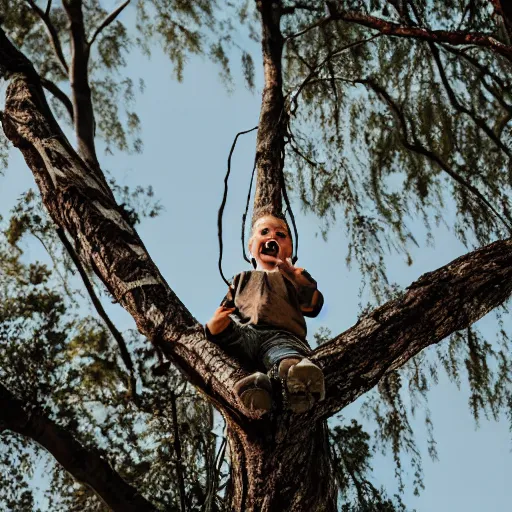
(255, 392)
(304, 383)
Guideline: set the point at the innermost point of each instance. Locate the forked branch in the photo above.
(77, 202)
(52, 32)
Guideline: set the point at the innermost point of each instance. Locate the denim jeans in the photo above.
(260, 348)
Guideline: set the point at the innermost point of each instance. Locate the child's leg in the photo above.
(255, 390)
(303, 380)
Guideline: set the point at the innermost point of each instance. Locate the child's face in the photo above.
(270, 242)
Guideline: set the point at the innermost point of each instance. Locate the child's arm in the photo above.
(219, 328)
(220, 320)
(310, 298)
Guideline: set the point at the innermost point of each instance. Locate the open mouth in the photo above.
(270, 248)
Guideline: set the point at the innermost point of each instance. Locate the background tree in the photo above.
(439, 123)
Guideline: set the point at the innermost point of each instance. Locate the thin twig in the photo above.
(52, 32)
(484, 70)
(56, 267)
(177, 451)
(125, 354)
(58, 93)
(417, 147)
(305, 6)
(317, 24)
(461, 108)
(107, 21)
(331, 55)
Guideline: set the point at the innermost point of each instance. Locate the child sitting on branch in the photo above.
(261, 322)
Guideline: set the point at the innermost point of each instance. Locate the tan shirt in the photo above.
(269, 299)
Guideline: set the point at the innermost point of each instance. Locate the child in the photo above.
(261, 322)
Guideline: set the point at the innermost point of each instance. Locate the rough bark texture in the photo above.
(272, 124)
(86, 466)
(77, 202)
(281, 464)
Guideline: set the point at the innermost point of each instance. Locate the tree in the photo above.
(330, 48)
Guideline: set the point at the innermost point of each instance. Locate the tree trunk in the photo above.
(272, 123)
(280, 464)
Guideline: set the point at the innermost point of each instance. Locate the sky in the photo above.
(188, 129)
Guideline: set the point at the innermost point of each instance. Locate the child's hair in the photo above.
(268, 212)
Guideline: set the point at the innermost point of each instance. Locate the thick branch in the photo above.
(86, 466)
(78, 202)
(435, 306)
(79, 80)
(107, 21)
(272, 123)
(456, 37)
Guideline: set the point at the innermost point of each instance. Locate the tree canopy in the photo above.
(384, 114)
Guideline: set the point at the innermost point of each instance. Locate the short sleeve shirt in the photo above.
(269, 299)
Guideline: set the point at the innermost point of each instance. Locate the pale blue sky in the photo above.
(187, 131)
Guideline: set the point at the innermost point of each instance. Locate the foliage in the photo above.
(387, 130)
(67, 366)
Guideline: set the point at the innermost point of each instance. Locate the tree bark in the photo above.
(78, 203)
(281, 464)
(272, 123)
(86, 466)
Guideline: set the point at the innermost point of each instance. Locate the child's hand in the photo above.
(294, 273)
(220, 320)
